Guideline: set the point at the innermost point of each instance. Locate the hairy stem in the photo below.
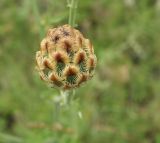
(72, 4)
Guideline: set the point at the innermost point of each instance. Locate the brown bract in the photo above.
(65, 59)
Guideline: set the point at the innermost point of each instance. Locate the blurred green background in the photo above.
(121, 104)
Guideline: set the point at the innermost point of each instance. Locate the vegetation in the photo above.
(121, 102)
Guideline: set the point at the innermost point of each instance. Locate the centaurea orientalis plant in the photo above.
(66, 58)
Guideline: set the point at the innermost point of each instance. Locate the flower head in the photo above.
(66, 59)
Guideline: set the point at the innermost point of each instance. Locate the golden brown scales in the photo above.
(66, 59)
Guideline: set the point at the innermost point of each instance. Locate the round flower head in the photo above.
(66, 59)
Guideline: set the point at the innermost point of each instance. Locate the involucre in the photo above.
(66, 59)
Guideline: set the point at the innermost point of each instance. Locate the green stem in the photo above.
(38, 18)
(72, 12)
(9, 138)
